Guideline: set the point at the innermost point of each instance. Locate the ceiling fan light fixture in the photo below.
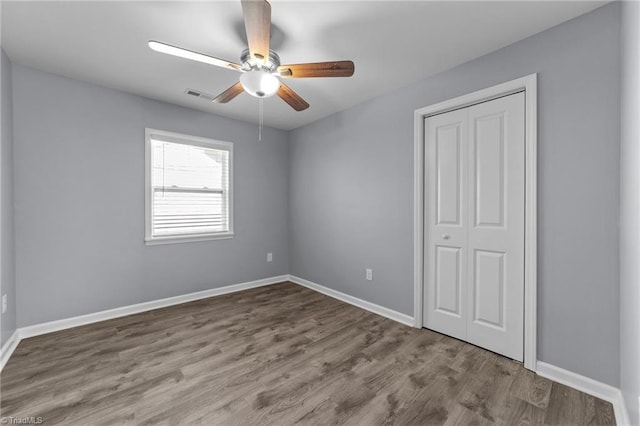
(260, 83)
(260, 66)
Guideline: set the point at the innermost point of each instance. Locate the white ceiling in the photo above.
(392, 44)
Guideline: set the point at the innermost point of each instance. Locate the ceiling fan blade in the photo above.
(257, 23)
(292, 98)
(194, 56)
(228, 94)
(318, 69)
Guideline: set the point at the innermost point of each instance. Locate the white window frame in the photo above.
(150, 239)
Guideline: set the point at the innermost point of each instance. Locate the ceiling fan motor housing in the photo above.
(270, 64)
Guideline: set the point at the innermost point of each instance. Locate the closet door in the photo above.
(495, 243)
(445, 303)
(474, 224)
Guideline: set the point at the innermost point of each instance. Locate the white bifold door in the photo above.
(474, 224)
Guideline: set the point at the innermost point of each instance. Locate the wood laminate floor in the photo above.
(276, 355)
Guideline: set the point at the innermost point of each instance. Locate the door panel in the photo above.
(448, 280)
(447, 159)
(474, 224)
(496, 237)
(489, 171)
(488, 288)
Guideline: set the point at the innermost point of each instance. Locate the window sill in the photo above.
(187, 239)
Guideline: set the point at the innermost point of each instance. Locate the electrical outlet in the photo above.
(4, 303)
(269, 257)
(368, 273)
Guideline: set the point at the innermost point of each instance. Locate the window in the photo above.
(189, 195)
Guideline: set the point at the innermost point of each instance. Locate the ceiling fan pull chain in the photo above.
(163, 155)
(260, 118)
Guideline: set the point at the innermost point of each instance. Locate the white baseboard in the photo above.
(49, 327)
(587, 385)
(372, 307)
(7, 349)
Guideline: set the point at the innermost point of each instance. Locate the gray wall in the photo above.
(79, 194)
(630, 212)
(7, 240)
(351, 188)
(336, 199)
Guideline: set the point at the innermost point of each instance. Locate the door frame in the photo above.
(528, 84)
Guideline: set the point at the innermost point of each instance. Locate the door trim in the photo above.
(528, 84)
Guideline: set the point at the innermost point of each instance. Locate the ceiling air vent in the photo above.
(199, 94)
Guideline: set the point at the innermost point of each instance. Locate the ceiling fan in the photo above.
(260, 68)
